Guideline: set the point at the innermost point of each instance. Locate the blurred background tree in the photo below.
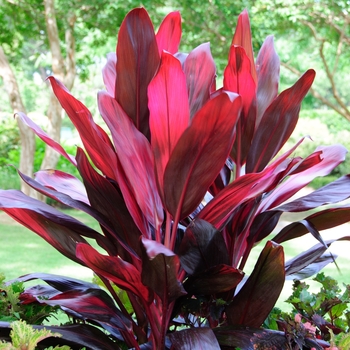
(70, 39)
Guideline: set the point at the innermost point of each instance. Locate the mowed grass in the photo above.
(22, 252)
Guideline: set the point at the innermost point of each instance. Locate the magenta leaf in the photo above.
(122, 273)
(238, 78)
(243, 37)
(200, 154)
(268, 71)
(200, 71)
(278, 123)
(62, 183)
(214, 280)
(109, 73)
(169, 111)
(202, 247)
(45, 137)
(159, 271)
(136, 158)
(194, 339)
(59, 230)
(137, 62)
(254, 301)
(169, 33)
(95, 140)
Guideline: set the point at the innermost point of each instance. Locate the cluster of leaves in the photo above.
(188, 181)
(12, 310)
(318, 315)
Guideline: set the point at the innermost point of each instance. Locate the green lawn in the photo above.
(22, 252)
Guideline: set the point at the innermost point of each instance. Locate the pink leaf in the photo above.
(137, 62)
(169, 111)
(46, 138)
(109, 73)
(268, 69)
(169, 33)
(200, 70)
(200, 154)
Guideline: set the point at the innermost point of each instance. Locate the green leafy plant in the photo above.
(185, 184)
(25, 337)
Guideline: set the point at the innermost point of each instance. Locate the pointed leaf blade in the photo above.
(200, 154)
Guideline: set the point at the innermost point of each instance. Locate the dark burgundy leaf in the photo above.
(106, 198)
(59, 230)
(263, 224)
(214, 280)
(159, 271)
(268, 71)
(136, 159)
(243, 37)
(169, 33)
(251, 338)
(122, 273)
(194, 339)
(45, 137)
(169, 111)
(200, 154)
(278, 123)
(321, 220)
(259, 294)
(238, 78)
(109, 73)
(333, 192)
(202, 247)
(63, 183)
(311, 269)
(200, 70)
(137, 62)
(95, 140)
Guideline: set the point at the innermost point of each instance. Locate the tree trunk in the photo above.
(27, 135)
(64, 71)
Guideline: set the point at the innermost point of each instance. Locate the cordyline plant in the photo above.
(184, 184)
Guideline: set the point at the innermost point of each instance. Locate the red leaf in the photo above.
(200, 154)
(169, 33)
(46, 138)
(254, 301)
(136, 159)
(278, 123)
(268, 69)
(122, 273)
(243, 37)
(238, 78)
(63, 183)
(200, 70)
(169, 111)
(109, 73)
(95, 140)
(137, 62)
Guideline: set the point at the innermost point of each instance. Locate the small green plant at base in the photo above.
(25, 337)
(12, 310)
(322, 315)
